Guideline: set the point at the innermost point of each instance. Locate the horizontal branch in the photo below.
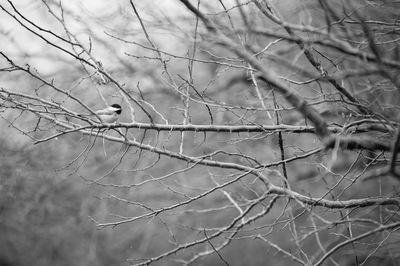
(349, 142)
(357, 143)
(333, 204)
(217, 128)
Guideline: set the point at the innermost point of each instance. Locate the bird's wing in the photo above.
(107, 111)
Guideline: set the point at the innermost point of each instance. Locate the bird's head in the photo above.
(117, 107)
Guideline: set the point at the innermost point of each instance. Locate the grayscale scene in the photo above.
(197, 132)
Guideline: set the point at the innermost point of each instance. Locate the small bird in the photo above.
(110, 114)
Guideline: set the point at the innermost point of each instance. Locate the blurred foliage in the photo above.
(44, 215)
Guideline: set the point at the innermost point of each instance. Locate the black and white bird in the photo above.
(110, 114)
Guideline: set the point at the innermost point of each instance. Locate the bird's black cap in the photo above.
(115, 105)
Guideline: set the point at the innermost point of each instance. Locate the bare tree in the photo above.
(247, 125)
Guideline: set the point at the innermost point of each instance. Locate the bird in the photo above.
(110, 114)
